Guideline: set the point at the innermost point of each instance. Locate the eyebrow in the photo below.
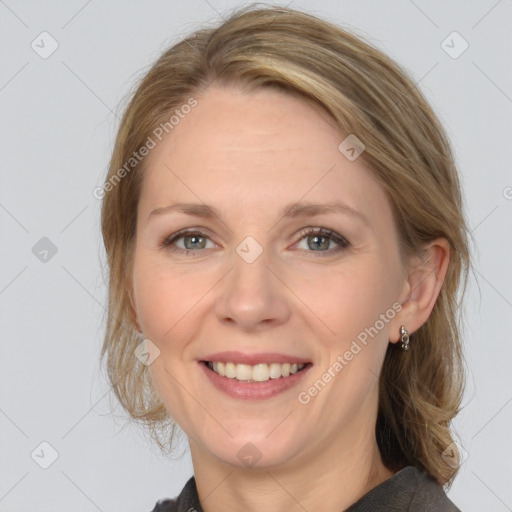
(293, 210)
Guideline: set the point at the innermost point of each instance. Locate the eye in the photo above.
(318, 240)
(187, 241)
(321, 240)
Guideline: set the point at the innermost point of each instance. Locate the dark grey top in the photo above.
(409, 490)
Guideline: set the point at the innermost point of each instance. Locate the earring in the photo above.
(404, 338)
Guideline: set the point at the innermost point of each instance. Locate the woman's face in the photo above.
(244, 274)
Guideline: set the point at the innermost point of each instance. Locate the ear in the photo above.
(425, 277)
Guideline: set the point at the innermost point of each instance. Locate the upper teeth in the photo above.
(259, 372)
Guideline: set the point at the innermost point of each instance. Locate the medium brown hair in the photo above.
(366, 94)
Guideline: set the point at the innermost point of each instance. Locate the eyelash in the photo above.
(343, 243)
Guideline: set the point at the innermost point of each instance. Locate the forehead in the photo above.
(256, 150)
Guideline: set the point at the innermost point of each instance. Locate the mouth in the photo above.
(253, 381)
(261, 372)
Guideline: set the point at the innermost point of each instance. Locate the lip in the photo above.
(253, 359)
(253, 390)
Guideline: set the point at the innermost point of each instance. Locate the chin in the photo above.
(253, 450)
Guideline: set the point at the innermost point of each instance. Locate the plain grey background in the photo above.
(58, 122)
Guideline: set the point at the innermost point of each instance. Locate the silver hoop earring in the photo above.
(404, 338)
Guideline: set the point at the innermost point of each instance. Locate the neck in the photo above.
(332, 478)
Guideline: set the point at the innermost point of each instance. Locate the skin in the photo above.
(249, 155)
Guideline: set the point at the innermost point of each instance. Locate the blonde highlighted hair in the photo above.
(366, 94)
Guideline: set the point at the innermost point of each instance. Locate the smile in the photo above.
(254, 376)
(257, 373)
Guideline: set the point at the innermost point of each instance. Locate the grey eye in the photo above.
(318, 242)
(192, 242)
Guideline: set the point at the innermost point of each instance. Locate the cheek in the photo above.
(166, 301)
(349, 302)
(346, 300)
(163, 296)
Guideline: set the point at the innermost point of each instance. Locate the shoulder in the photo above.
(187, 501)
(428, 495)
(165, 505)
(409, 490)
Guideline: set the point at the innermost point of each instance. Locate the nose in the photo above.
(252, 297)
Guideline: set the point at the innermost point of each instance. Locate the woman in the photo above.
(285, 238)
